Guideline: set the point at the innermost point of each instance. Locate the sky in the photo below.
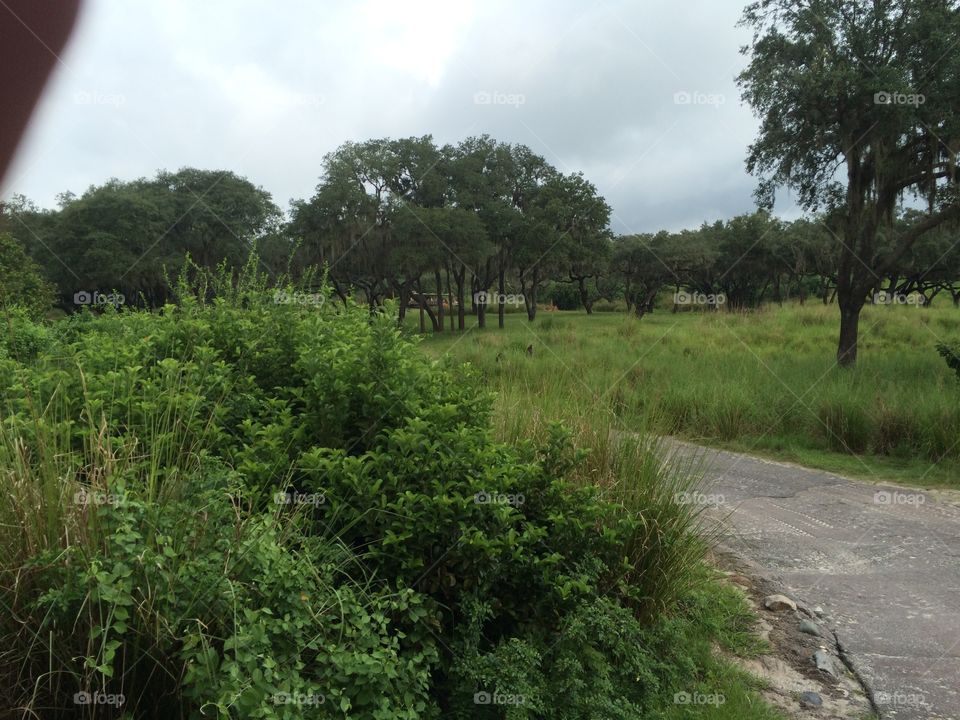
(640, 96)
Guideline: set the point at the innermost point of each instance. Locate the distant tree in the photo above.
(746, 265)
(582, 216)
(215, 215)
(646, 263)
(869, 87)
(132, 236)
(481, 177)
(21, 282)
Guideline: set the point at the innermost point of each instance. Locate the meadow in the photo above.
(762, 381)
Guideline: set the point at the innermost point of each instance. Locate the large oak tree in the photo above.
(857, 101)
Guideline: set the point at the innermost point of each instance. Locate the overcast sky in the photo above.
(638, 95)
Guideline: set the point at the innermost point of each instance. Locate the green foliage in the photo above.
(563, 295)
(21, 282)
(23, 337)
(127, 236)
(237, 507)
(951, 355)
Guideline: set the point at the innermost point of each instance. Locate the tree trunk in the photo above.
(436, 275)
(501, 285)
(449, 298)
(423, 327)
(404, 301)
(530, 296)
(639, 309)
(435, 324)
(460, 279)
(849, 333)
(585, 296)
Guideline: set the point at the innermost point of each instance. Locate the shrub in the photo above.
(950, 354)
(298, 505)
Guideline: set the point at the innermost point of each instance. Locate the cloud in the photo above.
(639, 96)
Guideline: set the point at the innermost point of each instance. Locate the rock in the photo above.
(810, 628)
(740, 580)
(825, 662)
(818, 611)
(778, 603)
(810, 700)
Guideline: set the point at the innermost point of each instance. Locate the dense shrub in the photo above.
(233, 503)
(565, 296)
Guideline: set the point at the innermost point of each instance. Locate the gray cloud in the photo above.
(640, 96)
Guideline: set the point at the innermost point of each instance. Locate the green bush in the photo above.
(566, 296)
(289, 502)
(23, 338)
(951, 354)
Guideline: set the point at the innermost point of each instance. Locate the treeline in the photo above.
(447, 230)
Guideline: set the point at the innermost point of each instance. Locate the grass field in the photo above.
(763, 381)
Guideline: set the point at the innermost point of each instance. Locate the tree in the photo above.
(869, 86)
(746, 265)
(645, 263)
(132, 236)
(582, 216)
(215, 215)
(480, 178)
(21, 282)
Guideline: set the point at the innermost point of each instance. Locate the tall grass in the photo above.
(628, 464)
(764, 380)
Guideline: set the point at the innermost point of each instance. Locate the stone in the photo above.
(810, 700)
(810, 628)
(824, 662)
(778, 603)
(818, 611)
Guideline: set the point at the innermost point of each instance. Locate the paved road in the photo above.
(882, 561)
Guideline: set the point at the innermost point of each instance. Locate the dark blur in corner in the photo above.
(33, 34)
